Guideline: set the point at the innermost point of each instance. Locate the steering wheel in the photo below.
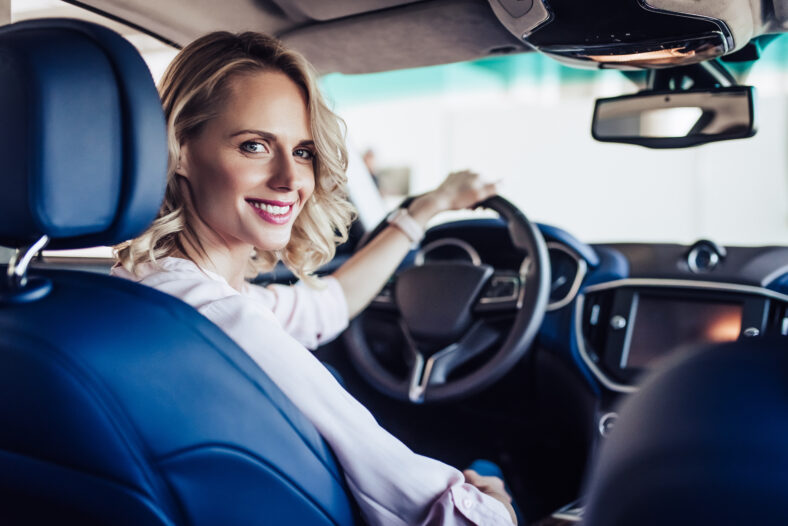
(440, 308)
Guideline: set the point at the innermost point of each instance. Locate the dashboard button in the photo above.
(502, 288)
(751, 332)
(594, 314)
(618, 322)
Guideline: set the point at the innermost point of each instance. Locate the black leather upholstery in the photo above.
(703, 442)
(120, 404)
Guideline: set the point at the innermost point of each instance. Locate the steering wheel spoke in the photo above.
(435, 369)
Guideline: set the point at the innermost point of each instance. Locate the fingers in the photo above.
(486, 484)
(471, 476)
(492, 486)
(464, 189)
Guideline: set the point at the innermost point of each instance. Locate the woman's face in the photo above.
(250, 170)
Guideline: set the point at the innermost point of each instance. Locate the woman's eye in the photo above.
(253, 147)
(304, 153)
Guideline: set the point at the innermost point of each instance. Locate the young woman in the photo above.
(257, 175)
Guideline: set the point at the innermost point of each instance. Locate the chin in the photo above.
(272, 245)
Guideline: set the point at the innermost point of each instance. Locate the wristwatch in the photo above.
(401, 219)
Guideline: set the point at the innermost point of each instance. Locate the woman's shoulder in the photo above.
(181, 278)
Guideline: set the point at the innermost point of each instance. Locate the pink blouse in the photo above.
(274, 325)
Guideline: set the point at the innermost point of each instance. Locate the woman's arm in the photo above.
(364, 274)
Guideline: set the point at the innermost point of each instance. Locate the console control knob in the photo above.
(618, 322)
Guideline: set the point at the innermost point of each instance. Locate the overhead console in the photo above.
(628, 34)
(626, 327)
(690, 97)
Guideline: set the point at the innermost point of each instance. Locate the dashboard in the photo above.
(617, 310)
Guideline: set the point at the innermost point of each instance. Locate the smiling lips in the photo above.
(276, 212)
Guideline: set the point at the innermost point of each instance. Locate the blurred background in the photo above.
(525, 120)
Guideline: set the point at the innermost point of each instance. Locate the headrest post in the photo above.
(17, 267)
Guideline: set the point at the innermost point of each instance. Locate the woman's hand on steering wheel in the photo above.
(459, 190)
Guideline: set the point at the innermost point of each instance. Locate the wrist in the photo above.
(407, 224)
(425, 207)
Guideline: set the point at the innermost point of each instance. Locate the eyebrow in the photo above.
(270, 136)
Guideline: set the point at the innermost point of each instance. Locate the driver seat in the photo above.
(121, 404)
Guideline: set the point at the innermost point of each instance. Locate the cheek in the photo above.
(308, 184)
(225, 180)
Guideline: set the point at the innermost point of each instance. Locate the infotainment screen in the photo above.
(662, 324)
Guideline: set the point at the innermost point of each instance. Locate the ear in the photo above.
(182, 166)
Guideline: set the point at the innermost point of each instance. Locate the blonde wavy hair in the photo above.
(193, 91)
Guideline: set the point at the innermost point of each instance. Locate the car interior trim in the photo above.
(606, 423)
(514, 280)
(580, 274)
(648, 282)
(773, 278)
(581, 347)
(687, 284)
(450, 241)
(633, 308)
(421, 371)
(524, 268)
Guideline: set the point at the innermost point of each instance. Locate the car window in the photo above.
(527, 119)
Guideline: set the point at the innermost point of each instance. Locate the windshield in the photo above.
(527, 119)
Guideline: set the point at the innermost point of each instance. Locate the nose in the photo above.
(285, 176)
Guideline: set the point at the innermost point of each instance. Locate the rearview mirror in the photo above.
(676, 119)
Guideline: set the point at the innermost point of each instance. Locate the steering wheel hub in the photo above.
(436, 300)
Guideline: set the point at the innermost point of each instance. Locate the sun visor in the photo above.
(630, 34)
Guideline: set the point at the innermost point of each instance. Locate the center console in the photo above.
(626, 327)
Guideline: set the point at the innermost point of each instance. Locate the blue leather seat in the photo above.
(120, 404)
(703, 442)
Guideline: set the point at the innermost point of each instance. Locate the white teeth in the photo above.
(271, 209)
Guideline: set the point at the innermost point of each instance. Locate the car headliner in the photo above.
(364, 36)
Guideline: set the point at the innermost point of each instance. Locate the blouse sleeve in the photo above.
(311, 316)
(392, 484)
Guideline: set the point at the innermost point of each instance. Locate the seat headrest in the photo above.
(702, 442)
(82, 136)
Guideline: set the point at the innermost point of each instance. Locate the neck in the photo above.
(229, 260)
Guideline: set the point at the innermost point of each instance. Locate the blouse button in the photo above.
(467, 503)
